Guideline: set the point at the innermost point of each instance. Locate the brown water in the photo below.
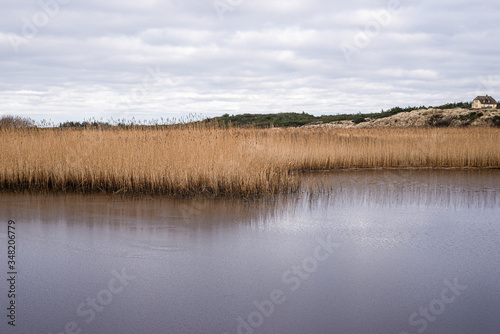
(360, 252)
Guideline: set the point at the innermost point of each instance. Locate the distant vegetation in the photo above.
(464, 105)
(88, 125)
(15, 122)
(299, 119)
(290, 119)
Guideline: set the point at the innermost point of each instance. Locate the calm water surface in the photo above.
(360, 252)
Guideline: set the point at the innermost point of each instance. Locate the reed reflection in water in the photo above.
(201, 263)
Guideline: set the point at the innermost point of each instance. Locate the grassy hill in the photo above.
(300, 119)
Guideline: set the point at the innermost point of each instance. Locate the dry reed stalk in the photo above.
(223, 162)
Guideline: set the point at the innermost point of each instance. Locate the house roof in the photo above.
(486, 99)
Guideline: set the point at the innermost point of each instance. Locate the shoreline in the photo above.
(300, 174)
(226, 162)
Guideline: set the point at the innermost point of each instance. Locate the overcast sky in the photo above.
(74, 60)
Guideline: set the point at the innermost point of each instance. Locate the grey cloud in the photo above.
(91, 58)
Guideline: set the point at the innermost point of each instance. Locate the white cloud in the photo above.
(419, 74)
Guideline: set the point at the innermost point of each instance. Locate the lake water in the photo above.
(394, 251)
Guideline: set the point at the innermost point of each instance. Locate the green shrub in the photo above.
(495, 121)
(440, 121)
(464, 105)
(445, 122)
(359, 119)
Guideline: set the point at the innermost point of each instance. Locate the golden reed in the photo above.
(209, 160)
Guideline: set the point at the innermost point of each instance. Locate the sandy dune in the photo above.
(421, 118)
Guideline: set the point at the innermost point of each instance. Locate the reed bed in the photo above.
(214, 161)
